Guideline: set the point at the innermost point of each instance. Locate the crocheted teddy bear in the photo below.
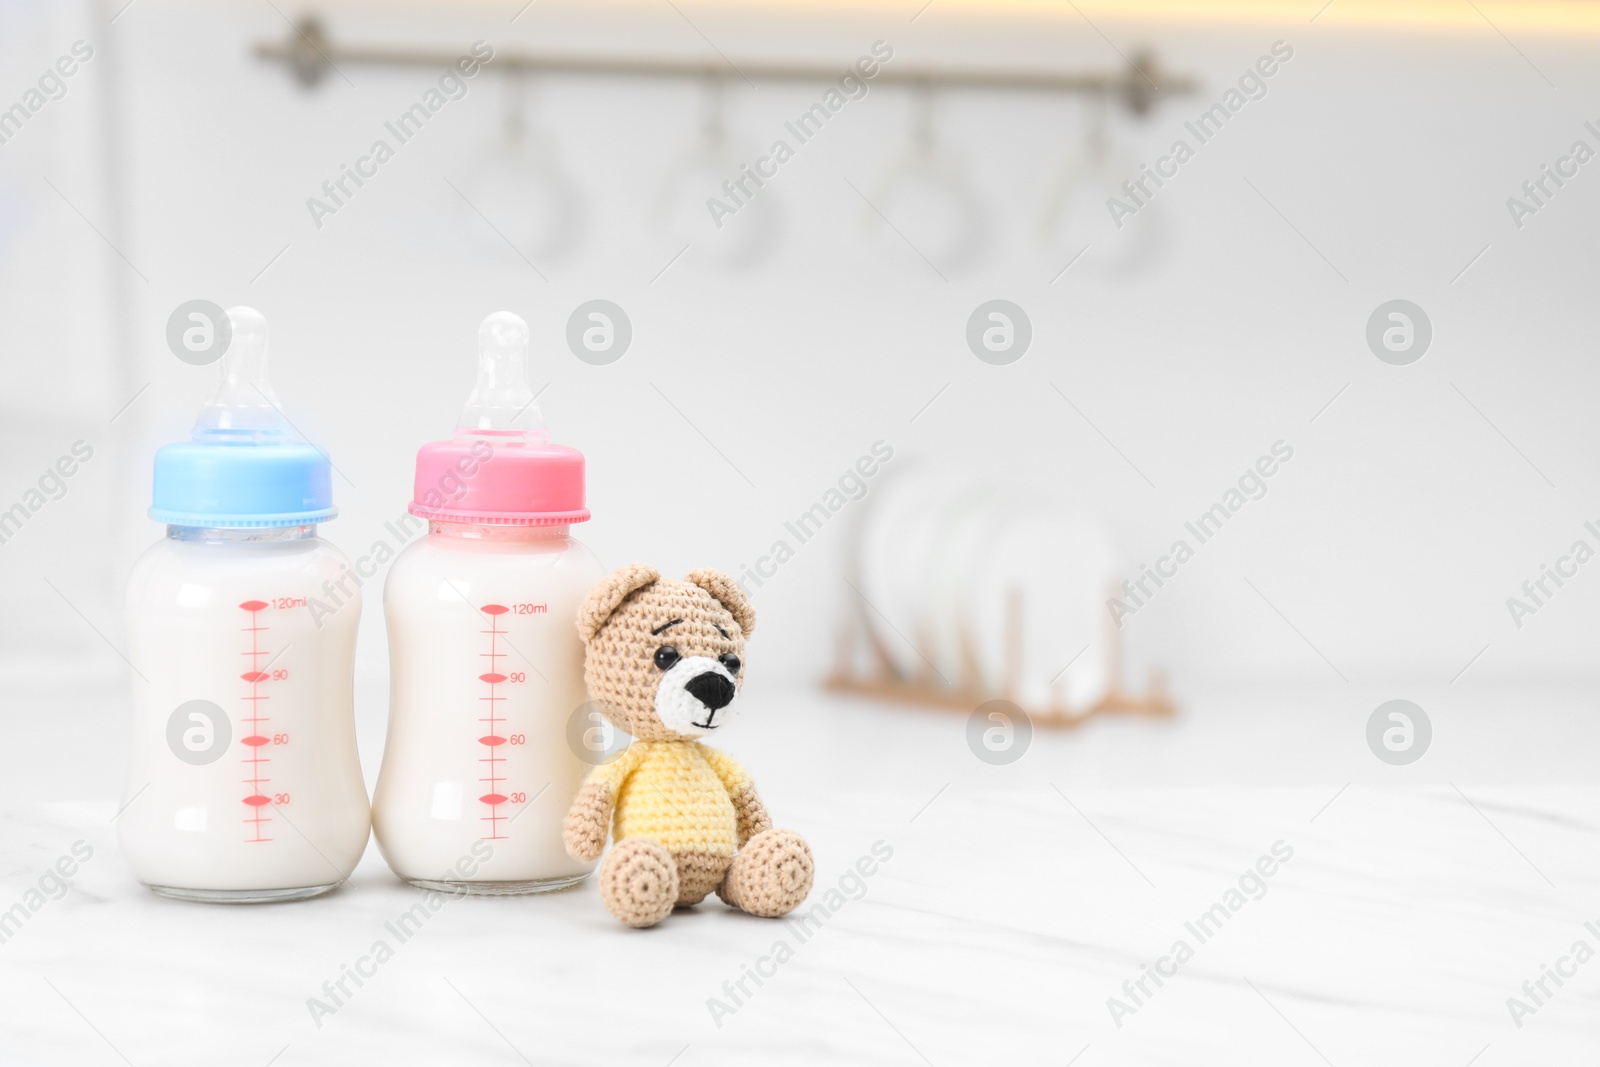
(663, 662)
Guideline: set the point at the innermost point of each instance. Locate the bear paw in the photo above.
(639, 882)
(771, 875)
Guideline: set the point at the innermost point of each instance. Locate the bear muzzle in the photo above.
(693, 697)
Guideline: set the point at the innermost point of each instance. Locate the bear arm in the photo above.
(589, 818)
(584, 833)
(752, 814)
(753, 817)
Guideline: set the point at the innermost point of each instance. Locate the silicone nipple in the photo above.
(244, 408)
(501, 404)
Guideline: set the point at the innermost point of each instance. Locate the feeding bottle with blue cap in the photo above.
(245, 784)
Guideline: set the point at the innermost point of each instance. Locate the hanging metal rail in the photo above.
(312, 55)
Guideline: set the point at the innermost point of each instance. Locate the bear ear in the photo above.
(728, 594)
(609, 593)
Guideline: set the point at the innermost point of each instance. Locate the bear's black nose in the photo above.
(711, 689)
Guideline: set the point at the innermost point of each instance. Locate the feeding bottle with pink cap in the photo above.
(487, 702)
(245, 785)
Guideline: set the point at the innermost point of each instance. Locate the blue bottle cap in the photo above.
(244, 465)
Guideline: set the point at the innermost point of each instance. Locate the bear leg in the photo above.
(771, 875)
(639, 881)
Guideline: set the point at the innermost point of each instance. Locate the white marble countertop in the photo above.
(1016, 902)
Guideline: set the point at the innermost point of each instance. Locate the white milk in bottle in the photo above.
(245, 785)
(488, 726)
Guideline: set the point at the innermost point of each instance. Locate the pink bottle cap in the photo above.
(500, 468)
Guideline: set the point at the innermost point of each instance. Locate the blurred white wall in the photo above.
(1376, 167)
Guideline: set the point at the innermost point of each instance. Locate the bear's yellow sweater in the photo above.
(678, 793)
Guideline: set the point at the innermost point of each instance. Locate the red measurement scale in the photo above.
(492, 780)
(255, 764)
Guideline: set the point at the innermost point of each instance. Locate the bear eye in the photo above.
(730, 661)
(666, 656)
